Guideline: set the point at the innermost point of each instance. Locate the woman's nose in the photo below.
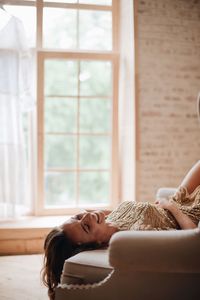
(86, 216)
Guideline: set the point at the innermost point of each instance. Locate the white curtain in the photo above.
(14, 99)
(126, 103)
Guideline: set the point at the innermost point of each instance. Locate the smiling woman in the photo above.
(92, 230)
(87, 230)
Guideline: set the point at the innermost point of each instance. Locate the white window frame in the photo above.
(37, 147)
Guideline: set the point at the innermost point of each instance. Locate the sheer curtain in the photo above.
(14, 99)
(126, 102)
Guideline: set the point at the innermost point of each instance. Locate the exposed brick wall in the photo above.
(169, 81)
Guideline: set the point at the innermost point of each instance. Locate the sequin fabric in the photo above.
(147, 216)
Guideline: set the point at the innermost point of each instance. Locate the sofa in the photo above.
(137, 265)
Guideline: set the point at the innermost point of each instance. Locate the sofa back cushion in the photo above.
(86, 267)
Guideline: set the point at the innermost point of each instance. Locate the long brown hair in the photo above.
(57, 248)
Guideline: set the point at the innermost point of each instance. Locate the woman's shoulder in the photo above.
(182, 196)
(121, 208)
(125, 204)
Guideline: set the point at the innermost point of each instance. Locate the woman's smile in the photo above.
(90, 228)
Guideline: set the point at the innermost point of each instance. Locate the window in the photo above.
(77, 100)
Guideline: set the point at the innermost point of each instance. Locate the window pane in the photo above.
(95, 115)
(62, 1)
(27, 15)
(60, 28)
(95, 30)
(94, 188)
(100, 2)
(61, 77)
(95, 152)
(60, 115)
(71, 29)
(60, 151)
(95, 78)
(60, 189)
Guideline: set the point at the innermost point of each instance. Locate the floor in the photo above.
(20, 278)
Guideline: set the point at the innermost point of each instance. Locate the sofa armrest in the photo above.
(160, 251)
(165, 192)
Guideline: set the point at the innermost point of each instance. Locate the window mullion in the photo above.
(18, 2)
(39, 24)
(78, 138)
(40, 133)
(115, 25)
(78, 6)
(78, 118)
(90, 55)
(77, 133)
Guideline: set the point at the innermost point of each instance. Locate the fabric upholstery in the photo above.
(138, 265)
(169, 251)
(86, 267)
(158, 265)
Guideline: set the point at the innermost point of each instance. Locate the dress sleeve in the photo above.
(181, 196)
(118, 211)
(193, 212)
(189, 204)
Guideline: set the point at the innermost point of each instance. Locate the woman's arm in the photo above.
(192, 178)
(183, 220)
(190, 182)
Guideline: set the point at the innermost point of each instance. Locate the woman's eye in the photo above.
(75, 218)
(78, 216)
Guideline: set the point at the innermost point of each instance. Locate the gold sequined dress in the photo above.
(147, 216)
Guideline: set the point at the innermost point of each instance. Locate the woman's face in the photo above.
(90, 228)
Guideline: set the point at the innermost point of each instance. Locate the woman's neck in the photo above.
(111, 229)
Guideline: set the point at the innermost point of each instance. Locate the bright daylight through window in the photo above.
(76, 60)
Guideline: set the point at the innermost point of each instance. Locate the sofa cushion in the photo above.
(86, 267)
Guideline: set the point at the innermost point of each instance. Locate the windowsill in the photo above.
(26, 235)
(33, 222)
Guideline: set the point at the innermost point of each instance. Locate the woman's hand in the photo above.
(165, 203)
(183, 220)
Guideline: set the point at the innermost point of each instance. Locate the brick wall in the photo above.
(168, 84)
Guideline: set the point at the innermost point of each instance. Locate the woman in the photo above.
(90, 230)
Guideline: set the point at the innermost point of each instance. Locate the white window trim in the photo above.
(42, 55)
(37, 134)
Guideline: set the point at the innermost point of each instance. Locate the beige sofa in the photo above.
(137, 265)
